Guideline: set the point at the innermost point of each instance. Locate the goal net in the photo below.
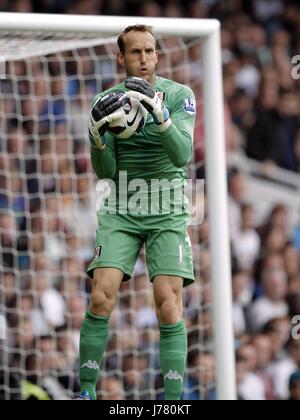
(48, 224)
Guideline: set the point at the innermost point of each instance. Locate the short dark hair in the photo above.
(136, 28)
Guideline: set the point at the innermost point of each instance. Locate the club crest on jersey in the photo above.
(189, 105)
(98, 250)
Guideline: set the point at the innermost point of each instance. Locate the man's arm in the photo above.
(104, 161)
(177, 139)
(105, 109)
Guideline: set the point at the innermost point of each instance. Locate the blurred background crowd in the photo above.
(48, 218)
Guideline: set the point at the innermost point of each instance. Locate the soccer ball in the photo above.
(132, 119)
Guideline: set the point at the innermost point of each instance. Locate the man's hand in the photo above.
(150, 99)
(104, 112)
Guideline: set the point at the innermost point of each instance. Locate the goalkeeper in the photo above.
(162, 150)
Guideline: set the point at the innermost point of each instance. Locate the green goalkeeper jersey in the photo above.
(151, 155)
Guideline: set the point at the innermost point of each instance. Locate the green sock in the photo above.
(93, 340)
(173, 352)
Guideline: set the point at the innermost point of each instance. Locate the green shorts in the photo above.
(168, 246)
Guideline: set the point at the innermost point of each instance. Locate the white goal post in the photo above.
(209, 32)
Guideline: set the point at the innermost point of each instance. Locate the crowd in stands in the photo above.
(48, 219)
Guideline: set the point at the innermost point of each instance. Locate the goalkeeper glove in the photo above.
(150, 99)
(104, 112)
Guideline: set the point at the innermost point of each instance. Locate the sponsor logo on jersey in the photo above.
(98, 250)
(91, 365)
(189, 105)
(173, 375)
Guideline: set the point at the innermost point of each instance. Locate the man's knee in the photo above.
(169, 311)
(168, 299)
(102, 303)
(106, 285)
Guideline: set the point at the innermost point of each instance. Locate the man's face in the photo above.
(140, 56)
